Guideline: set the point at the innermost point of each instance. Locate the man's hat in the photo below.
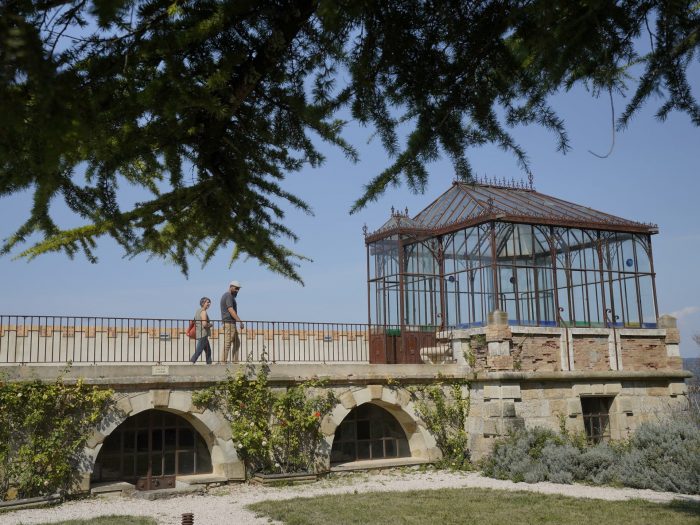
(234, 283)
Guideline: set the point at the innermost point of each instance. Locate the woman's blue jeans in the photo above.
(202, 346)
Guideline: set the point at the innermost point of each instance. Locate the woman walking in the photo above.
(202, 330)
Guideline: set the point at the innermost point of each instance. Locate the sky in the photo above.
(650, 176)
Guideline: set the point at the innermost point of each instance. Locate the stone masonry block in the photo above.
(508, 409)
(531, 392)
(624, 404)
(338, 414)
(362, 396)
(108, 425)
(95, 439)
(375, 391)
(657, 391)
(556, 406)
(227, 450)
(582, 389)
(403, 397)
(598, 389)
(673, 336)
(410, 427)
(667, 321)
(416, 441)
(83, 483)
(180, 401)
(498, 333)
(492, 392)
(493, 409)
(390, 396)
(612, 388)
(510, 392)
(677, 389)
(124, 406)
(512, 424)
(499, 348)
(573, 407)
(619, 422)
(556, 392)
(215, 424)
(673, 350)
(141, 402)
(537, 408)
(160, 398)
(348, 400)
(328, 426)
(434, 453)
(234, 470)
(491, 428)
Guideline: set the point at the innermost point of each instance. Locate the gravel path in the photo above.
(225, 505)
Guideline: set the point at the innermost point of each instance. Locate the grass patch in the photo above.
(109, 520)
(472, 506)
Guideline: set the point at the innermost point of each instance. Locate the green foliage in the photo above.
(444, 408)
(274, 431)
(659, 456)
(477, 342)
(43, 430)
(206, 106)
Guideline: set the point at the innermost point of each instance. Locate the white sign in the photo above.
(159, 370)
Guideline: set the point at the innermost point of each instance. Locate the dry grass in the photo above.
(472, 506)
(110, 520)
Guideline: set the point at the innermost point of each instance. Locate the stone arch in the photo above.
(398, 403)
(211, 426)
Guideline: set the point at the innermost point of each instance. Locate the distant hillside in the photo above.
(692, 364)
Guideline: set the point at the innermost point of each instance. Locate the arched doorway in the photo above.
(369, 432)
(150, 449)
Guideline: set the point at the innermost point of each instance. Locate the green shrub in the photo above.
(274, 431)
(43, 431)
(444, 408)
(663, 456)
(659, 456)
(518, 455)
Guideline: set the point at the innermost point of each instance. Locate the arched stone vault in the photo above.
(398, 403)
(212, 426)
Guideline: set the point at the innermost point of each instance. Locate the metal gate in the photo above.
(398, 346)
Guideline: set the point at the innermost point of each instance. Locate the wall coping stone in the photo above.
(466, 333)
(182, 377)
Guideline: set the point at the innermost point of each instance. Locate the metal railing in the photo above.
(28, 339)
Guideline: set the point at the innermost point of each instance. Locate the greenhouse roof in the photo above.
(466, 204)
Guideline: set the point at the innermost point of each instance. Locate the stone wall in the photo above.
(500, 401)
(499, 407)
(500, 347)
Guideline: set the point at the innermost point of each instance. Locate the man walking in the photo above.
(229, 316)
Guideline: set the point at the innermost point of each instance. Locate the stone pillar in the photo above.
(498, 339)
(673, 340)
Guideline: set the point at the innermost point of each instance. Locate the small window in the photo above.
(596, 418)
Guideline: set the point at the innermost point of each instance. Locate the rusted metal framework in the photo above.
(494, 245)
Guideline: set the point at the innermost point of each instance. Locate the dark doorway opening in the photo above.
(369, 432)
(150, 450)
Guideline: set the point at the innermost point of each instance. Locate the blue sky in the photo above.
(650, 176)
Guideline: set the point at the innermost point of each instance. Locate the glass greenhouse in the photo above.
(483, 247)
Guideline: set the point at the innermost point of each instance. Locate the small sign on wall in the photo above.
(159, 370)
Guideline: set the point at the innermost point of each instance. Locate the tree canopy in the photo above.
(206, 106)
